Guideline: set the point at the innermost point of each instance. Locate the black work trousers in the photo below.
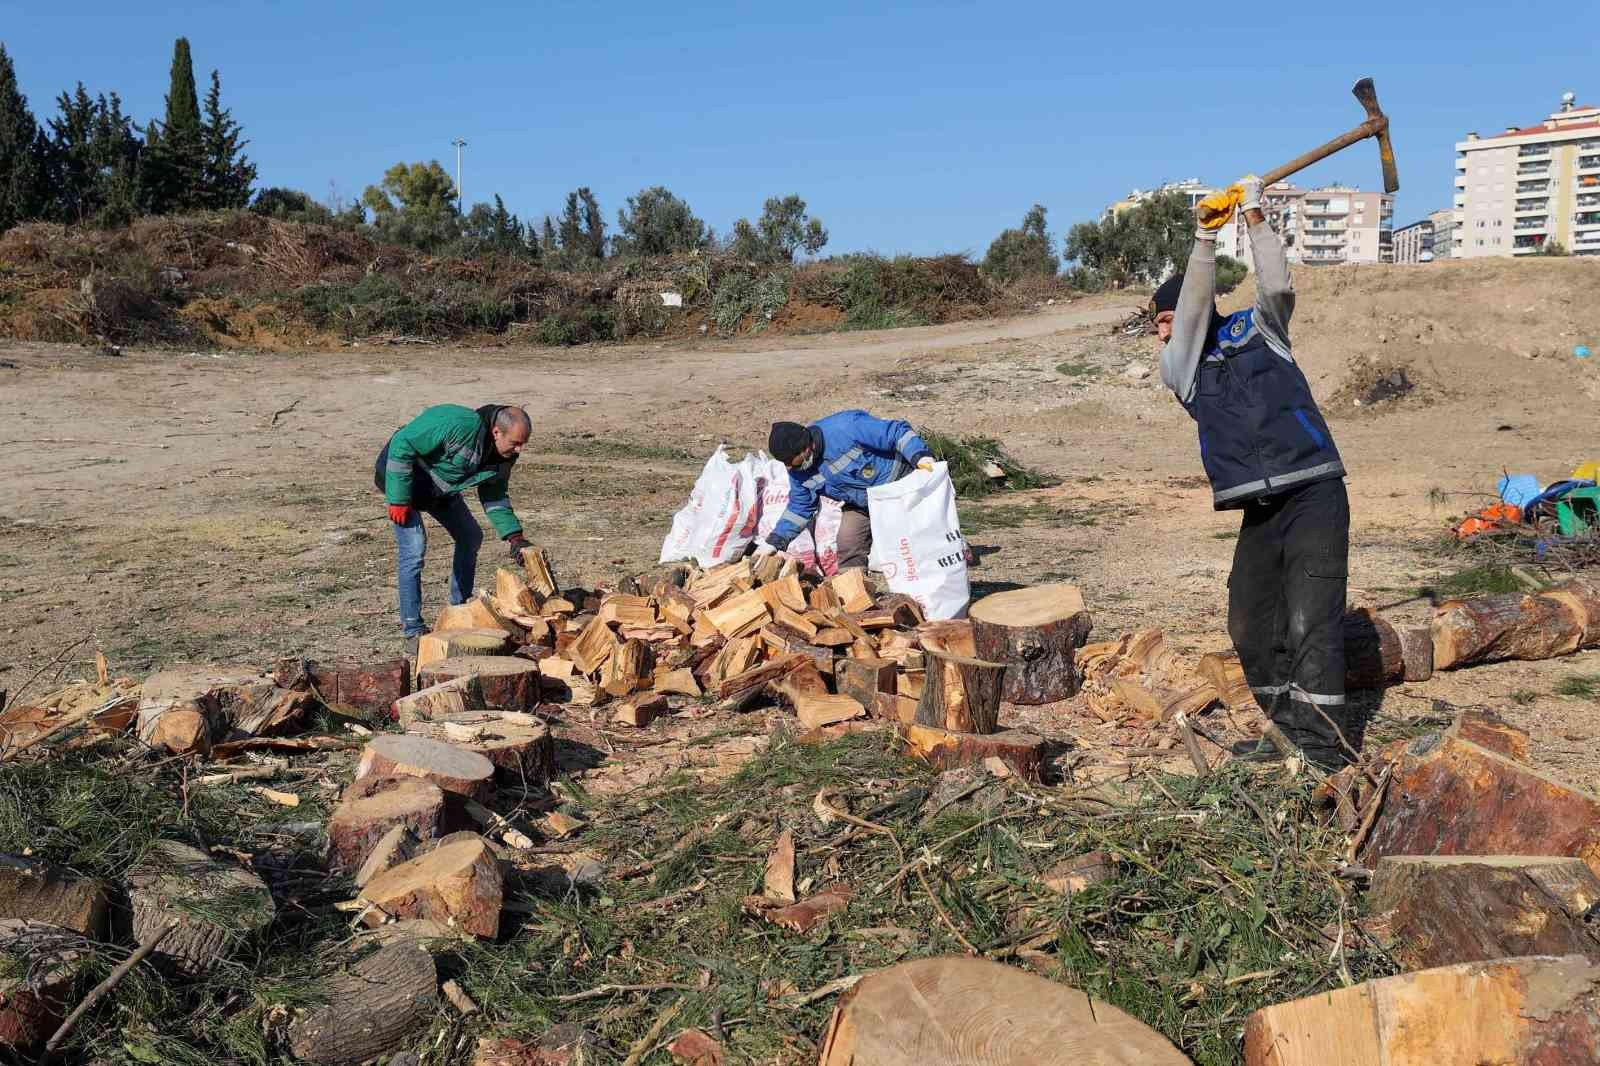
(1286, 604)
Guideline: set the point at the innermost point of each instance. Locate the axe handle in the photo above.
(1370, 128)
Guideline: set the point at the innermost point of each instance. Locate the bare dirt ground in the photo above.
(163, 507)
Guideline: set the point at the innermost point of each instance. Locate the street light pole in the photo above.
(460, 201)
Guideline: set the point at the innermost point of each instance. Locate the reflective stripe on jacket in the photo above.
(858, 452)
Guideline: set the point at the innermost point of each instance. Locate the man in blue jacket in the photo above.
(840, 457)
(1268, 453)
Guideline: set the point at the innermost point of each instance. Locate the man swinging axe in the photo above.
(841, 457)
(424, 468)
(1268, 453)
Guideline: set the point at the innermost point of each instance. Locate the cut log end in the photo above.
(946, 749)
(508, 682)
(458, 883)
(452, 768)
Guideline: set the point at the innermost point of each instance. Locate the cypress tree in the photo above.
(22, 171)
(227, 173)
(176, 181)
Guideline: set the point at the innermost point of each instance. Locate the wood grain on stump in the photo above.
(972, 1012)
(946, 749)
(452, 768)
(375, 805)
(508, 682)
(35, 891)
(1537, 1011)
(521, 748)
(458, 883)
(1437, 909)
(455, 696)
(448, 643)
(1035, 632)
(369, 1008)
(218, 906)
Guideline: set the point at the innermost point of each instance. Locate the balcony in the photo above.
(1528, 242)
(1589, 162)
(1532, 205)
(1589, 199)
(1532, 186)
(1534, 168)
(1586, 218)
(1542, 222)
(1529, 150)
(1325, 209)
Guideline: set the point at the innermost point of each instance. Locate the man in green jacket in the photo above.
(425, 467)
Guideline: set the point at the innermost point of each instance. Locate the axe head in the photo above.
(1367, 93)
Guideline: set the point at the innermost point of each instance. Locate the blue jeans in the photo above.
(412, 541)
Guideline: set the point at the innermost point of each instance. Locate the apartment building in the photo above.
(1519, 191)
(1193, 190)
(1330, 224)
(1444, 233)
(1414, 243)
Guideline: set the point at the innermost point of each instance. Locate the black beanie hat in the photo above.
(787, 440)
(1166, 297)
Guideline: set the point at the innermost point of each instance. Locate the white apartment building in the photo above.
(1523, 189)
(1330, 224)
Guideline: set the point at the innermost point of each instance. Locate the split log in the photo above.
(622, 609)
(374, 806)
(1035, 632)
(946, 750)
(1510, 1012)
(864, 679)
(217, 907)
(521, 747)
(511, 590)
(628, 669)
(594, 647)
(392, 849)
(40, 966)
(967, 1012)
(679, 682)
(1372, 654)
(454, 696)
(473, 614)
(804, 680)
(454, 769)
(1447, 796)
(1582, 600)
(1493, 628)
(639, 711)
(183, 729)
(182, 709)
(850, 586)
(371, 687)
(815, 712)
(1439, 910)
(1225, 673)
(459, 883)
(960, 693)
(431, 647)
(370, 1008)
(35, 891)
(760, 675)
(892, 708)
(536, 564)
(508, 682)
(740, 615)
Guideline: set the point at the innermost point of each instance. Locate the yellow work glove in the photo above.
(925, 463)
(1216, 210)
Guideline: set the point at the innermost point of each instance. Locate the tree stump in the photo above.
(1036, 633)
(1447, 909)
(1447, 796)
(41, 965)
(372, 807)
(449, 643)
(508, 682)
(972, 1012)
(458, 883)
(1510, 1012)
(521, 748)
(454, 769)
(370, 1007)
(217, 906)
(945, 750)
(455, 696)
(370, 687)
(959, 692)
(1493, 628)
(37, 892)
(1373, 657)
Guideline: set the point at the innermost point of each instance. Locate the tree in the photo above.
(1552, 248)
(580, 233)
(783, 229)
(23, 187)
(290, 205)
(226, 174)
(1022, 252)
(1230, 272)
(1142, 244)
(175, 180)
(487, 230)
(658, 223)
(412, 188)
(96, 161)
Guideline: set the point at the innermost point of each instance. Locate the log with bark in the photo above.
(961, 693)
(1536, 1011)
(40, 967)
(973, 1012)
(946, 750)
(1488, 730)
(454, 769)
(508, 682)
(521, 747)
(1513, 626)
(371, 687)
(639, 711)
(217, 907)
(1438, 909)
(392, 849)
(1582, 600)
(372, 807)
(35, 891)
(458, 883)
(456, 695)
(1373, 657)
(1036, 633)
(368, 1008)
(446, 644)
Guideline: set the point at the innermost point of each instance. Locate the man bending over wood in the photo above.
(1268, 453)
(841, 457)
(424, 468)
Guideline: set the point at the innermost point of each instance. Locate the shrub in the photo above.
(1019, 252)
(742, 294)
(1230, 272)
(577, 324)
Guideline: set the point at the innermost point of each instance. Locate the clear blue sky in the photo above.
(911, 128)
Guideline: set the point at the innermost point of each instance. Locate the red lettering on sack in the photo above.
(908, 559)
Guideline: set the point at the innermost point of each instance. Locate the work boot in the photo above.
(411, 647)
(1309, 731)
(1261, 750)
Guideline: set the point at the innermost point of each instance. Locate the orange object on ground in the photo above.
(1495, 516)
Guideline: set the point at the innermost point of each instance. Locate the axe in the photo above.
(1376, 125)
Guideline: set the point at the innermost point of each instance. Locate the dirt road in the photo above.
(165, 506)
